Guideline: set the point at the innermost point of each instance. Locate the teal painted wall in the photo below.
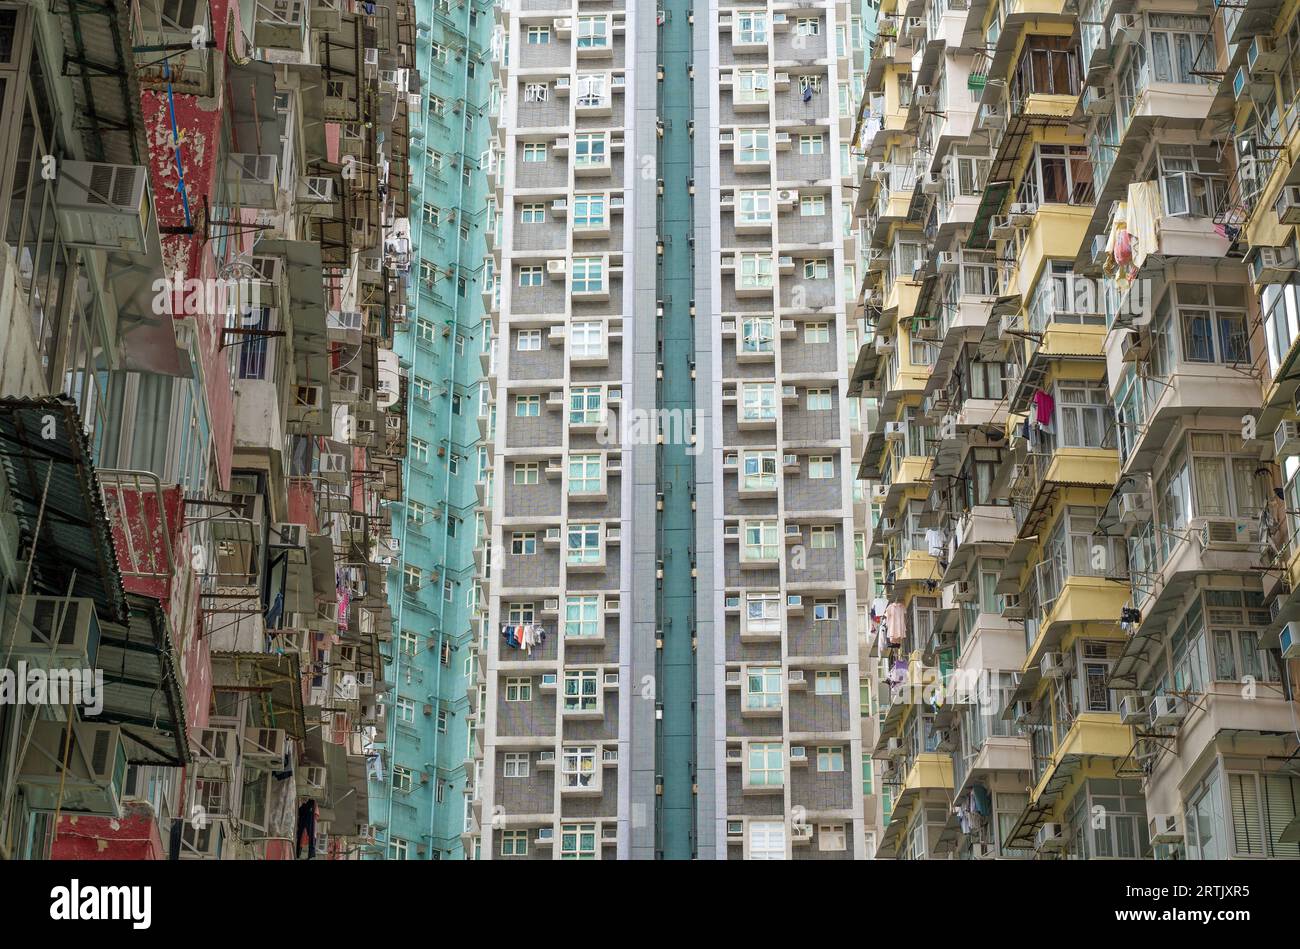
(439, 348)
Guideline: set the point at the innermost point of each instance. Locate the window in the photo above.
(577, 841)
(528, 341)
(758, 470)
(1260, 807)
(593, 32)
(1176, 43)
(587, 340)
(828, 682)
(750, 27)
(765, 765)
(535, 92)
(520, 614)
(763, 687)
(1191, 182)
(424, 331)
(816, 333)
(812, 144)
(585, 405)
(588, 274)
(1212, 321)
(808, 84)
(514, 843)
(823, 536)
(588, 212)
(397, 849)
(832, 837)
(766, 840)
(442, 730)
(523, 543)
(1057, 174)
(589, 149)
(423, 388)
(754, 208)
(807, 26)
(528, 406)
(432, 214)
(418, 512)
(812, 205)
(515, 765)
(405, 710)
(582, 615)
(412, 577)
(584, 474)
(753, 146)
(519, 689)
(584, 544)
(532, 214)
(538, 35)
(762, 612)
(819, 400)
(758, 401)
(408, 642)
(750, 86)
(755, 272)
(534, 151)
(591, 90)
(530, 276)
(825, 611)
(757, 334)
(760, 540)
(403, 779)
(1084, 414)
(526, 472)
(816, 269)
(821, 466)
(830, 758)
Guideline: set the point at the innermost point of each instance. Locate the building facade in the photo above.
(670, 664)
(1080, 262)
(205, 265)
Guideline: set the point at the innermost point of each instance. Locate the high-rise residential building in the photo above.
(203, 267)
(670, 662)
(1082, 279)
(419, 795)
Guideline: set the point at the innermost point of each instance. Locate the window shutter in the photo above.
(1243, 795)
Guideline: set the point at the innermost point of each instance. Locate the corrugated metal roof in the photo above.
(100, 67)
(143, 692)
(42, 442)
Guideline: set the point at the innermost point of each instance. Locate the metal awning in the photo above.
(274, 681)
(45, 458)
(143, 692)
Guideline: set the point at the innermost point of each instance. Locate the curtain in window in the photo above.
(1211, 486)
(1247, 833)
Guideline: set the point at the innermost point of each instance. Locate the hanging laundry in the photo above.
(934, 542)
(896, 620)
(1044, 408)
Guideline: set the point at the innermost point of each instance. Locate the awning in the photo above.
(143, 692)
(273, 680)
(42, 444)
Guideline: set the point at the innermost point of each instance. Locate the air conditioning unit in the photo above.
(545, 835)
(1049, 837)
(964, 592)
(734, 755)
(1134, 508)
(895, 432)
(333, 467)
(1236, 534)
(290, 535)
(1286, 439)
(1011, 608)
(1271, 264)
(1263, 57)
(794, 603)
(1165, 828)
(94, 778)
(1135, 346)
(1001, 228)
(264, 744)
(1132, 709)
(1167, 710)
(798, 753)
(31, 634)
(1289, 641)
(557, 267)
(931, 184)
(315, 189)
(1287, 205)
(947, 262)
(102, 205)
(894, 747)
(884, 345)
(217, 745)
(1051, 665)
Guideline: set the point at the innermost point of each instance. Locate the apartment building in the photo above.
(419, 794)
(202, 420)
(669, 665)
(1079, 262)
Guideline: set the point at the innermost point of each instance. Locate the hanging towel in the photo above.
(934, 542)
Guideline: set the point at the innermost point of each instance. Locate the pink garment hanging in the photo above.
(896, 621)
(1045, 406)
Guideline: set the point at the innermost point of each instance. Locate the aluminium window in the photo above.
(763, 687)
(584, 473)
(581, 690)
(582, 615)
(584, 545)
(765, 764)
